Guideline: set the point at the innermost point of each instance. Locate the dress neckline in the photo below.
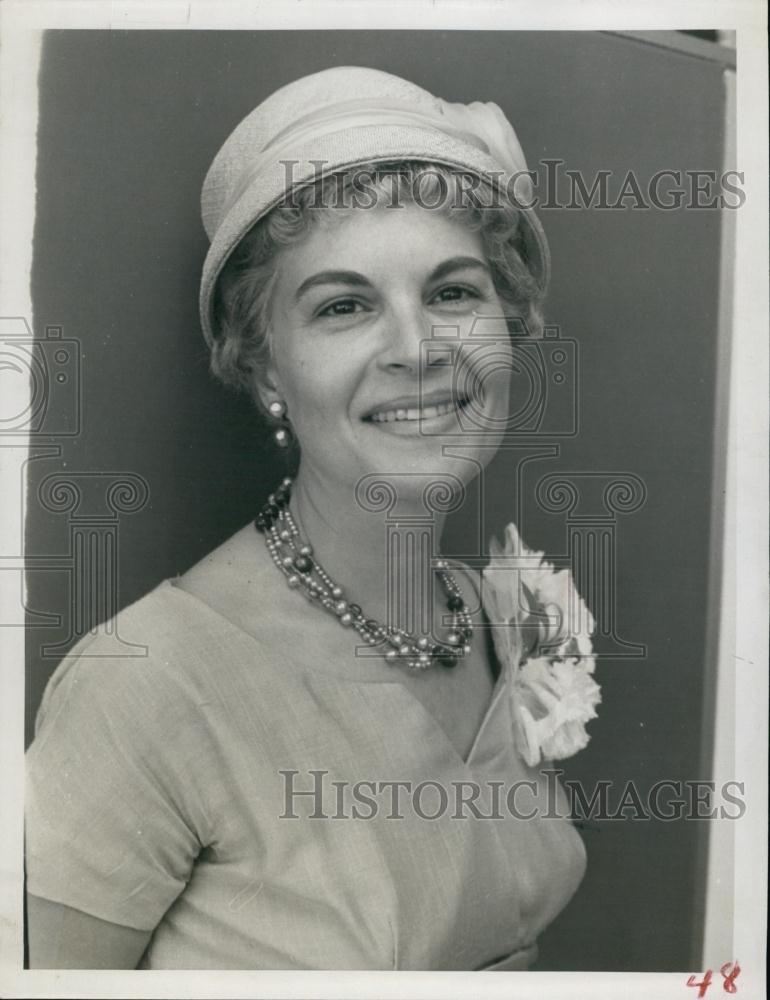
(501, 681)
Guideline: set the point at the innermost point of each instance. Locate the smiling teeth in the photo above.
(424, 413)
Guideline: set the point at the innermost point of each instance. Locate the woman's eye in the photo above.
(340, 307)
(456, 293)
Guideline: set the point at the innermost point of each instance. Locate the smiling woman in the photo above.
(245, 287)
(369, 300)
(348, 349)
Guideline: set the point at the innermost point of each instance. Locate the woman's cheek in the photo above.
(498, 383)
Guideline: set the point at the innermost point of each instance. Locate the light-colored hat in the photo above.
(345, 116)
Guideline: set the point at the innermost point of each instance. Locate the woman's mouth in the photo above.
(417, 413)
(439, 417)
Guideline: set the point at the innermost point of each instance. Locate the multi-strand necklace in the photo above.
(294, 558)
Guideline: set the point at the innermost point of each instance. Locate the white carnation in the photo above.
(543, 638)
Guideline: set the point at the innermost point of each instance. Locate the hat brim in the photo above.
(349, 148)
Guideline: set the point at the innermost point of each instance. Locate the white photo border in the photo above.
(744, 596)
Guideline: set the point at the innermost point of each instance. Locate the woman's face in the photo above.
(390, 342)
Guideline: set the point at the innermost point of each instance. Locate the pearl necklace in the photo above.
(294, 558)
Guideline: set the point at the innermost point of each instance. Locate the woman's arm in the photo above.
(61, 937)
(108, 806)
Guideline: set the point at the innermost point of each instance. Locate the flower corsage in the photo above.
(542, 635)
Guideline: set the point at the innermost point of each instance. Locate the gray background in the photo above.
(129, 122)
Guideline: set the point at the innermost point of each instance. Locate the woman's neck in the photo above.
(378, 543)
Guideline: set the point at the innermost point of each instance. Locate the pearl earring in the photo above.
(282, 435)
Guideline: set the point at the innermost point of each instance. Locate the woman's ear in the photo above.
(268, 387)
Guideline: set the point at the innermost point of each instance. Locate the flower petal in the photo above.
(543, 639)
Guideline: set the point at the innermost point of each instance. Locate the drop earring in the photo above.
(281, 435)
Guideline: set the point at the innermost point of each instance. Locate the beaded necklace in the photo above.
(294, 558)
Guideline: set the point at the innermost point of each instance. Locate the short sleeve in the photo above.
(108, 826)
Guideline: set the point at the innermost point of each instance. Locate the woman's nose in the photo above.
(406, 335)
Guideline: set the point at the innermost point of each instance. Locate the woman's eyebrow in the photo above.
(330, 278)
(456, 264)
(354, 278)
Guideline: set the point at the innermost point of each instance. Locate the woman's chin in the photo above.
(449, 457)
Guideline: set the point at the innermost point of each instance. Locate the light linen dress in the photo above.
(156, 799)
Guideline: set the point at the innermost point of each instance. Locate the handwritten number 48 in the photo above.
(729, 972)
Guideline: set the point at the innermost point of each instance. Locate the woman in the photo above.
(269, 787)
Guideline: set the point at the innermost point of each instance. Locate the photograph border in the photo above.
(743, 596)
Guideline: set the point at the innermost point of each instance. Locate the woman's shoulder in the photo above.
(134, 656)
(166, 646)
(237, 579)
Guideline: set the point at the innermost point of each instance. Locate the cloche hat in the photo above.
(341, 117)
